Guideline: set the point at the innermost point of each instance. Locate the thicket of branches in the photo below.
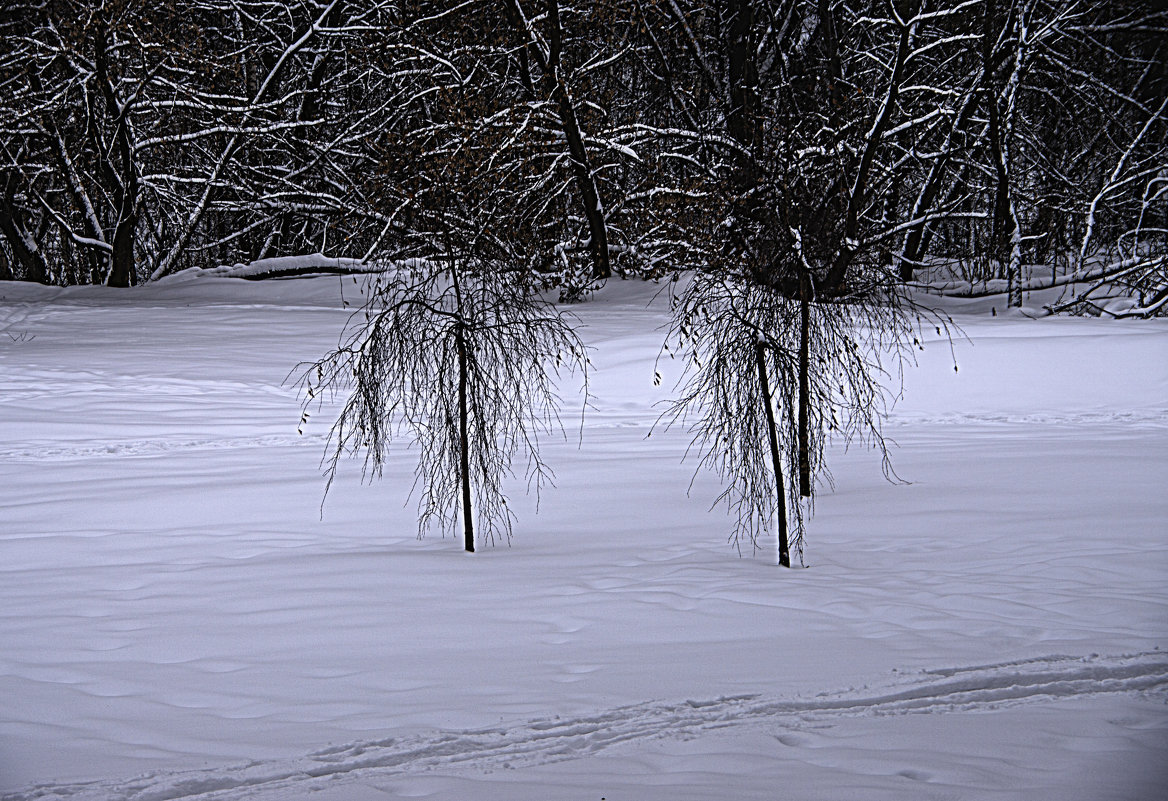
(767, 380)
(139, 138)
(462, 362)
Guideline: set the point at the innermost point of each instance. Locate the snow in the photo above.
(283, 266)
(178, 619)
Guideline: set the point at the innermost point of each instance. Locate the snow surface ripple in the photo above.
(541, 741)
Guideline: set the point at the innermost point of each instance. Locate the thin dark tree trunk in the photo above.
(553, 86)
(930, 231)
(122, 259)
(776, 458)
(464, 443)
(830, 40)
(577, 151)
(585, 182)
(804, 383)
(916, 243)
(920, 238)
(1001, 227)
(125, 181)
(744, 125)
(23, 244)
(742, 119)
(856, 198)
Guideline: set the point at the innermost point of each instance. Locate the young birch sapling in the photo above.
(769, 376)
(464, 363)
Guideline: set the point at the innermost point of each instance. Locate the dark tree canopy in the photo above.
(616, 136)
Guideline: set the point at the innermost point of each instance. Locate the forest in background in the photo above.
(842, 142)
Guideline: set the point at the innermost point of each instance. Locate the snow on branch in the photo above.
(306, 264)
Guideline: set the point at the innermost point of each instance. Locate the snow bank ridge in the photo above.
(553, 739)
(43, 452)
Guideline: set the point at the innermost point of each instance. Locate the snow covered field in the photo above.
(178, 621)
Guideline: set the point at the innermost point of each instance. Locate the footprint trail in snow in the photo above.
(972, 688)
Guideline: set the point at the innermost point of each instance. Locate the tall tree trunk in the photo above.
(916, 242)
(585, 182)
(842, 262)
(742, 118)
(776, 457)
(23, 243)
(804, 383)
(1005, 233)
(829, 35)
(122, 173)
(552, 86)
(464, 442)
(577, 151)
(1008, 153)
(930, 231)
(744, 126)
(1001, 225)
(121, 272)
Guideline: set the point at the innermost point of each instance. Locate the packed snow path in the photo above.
(540, 741)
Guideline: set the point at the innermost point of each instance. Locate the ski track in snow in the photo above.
(34, 452)
(541, 741)
(13, 316)
(1154, 418)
